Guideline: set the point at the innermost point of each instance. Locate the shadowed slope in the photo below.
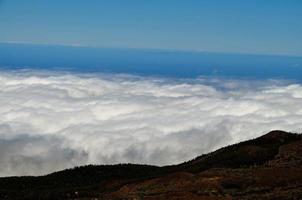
(252, 152)
(267, 167)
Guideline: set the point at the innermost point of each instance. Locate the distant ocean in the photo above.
(148, 62)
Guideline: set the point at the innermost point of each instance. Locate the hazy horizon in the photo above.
(254, 27)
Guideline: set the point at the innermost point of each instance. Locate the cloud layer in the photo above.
(54, 121)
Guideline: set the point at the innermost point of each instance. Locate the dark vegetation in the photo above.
(245, 154)
(227, 172)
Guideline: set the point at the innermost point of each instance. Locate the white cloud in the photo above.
(53, 121)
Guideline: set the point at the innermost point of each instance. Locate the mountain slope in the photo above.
(268, 167)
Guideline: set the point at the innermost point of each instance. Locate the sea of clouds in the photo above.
(51, 121)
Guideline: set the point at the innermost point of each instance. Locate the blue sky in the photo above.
(260, 27)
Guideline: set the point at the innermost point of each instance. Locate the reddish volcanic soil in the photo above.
(277, 180)
(268, 167)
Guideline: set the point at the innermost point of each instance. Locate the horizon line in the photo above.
(75, 45)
